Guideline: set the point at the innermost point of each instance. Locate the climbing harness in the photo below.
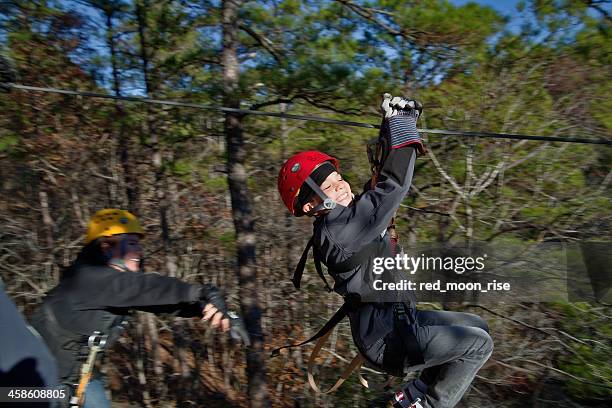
(351, 303)
(96, 343)
(79, 349)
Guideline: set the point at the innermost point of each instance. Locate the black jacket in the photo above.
(345, 230)
(97, 298)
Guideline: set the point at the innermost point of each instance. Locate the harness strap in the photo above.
(376, 386)
(79, 397)
(317, 262)
(299, 269)
(321, 336)
(325, 330)
(96, 342)
(410, 344)
(414, 356)
(355, 364)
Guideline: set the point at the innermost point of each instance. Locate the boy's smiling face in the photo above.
(335, 188)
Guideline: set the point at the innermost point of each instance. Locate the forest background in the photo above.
(204, 183)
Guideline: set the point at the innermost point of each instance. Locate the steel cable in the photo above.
(137, 99)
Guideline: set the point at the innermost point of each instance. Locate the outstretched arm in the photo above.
(112, 289)
(399, 141)
(373, 210)
(159, 294)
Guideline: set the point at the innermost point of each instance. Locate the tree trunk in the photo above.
(241, 209)
(158, 188)
(123, 138)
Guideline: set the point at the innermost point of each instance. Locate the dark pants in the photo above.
(454, 346)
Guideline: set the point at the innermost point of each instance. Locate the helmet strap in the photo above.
(119, 263)
(327, 205)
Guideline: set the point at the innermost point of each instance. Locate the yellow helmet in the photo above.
(112, 221)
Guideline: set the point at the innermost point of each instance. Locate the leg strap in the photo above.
(376, 386)
(354, 365)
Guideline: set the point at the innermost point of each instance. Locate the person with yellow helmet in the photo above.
(87, 309)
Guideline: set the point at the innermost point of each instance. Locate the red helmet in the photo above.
(296, 170)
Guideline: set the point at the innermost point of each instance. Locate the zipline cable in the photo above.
(138, 99)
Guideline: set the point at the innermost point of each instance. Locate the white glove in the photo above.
(393, 106)
(400, 117)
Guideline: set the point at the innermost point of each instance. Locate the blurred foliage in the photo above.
(588, 358)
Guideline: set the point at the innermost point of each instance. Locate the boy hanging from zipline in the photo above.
(447, 348)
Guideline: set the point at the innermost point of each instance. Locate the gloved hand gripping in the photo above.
(400, 118)
(212, 295)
